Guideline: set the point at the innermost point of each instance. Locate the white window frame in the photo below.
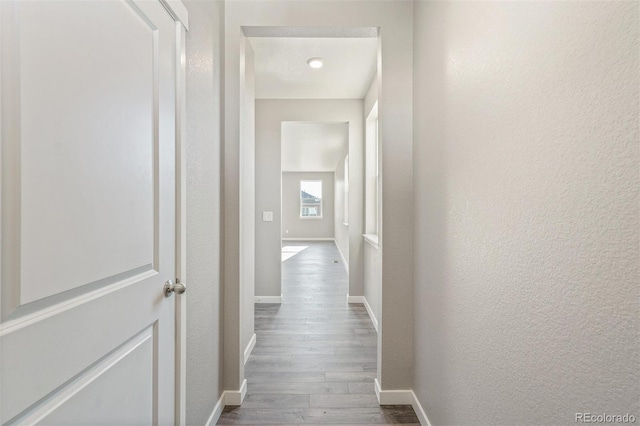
(346, 190)
(321, 199)
(372, 175)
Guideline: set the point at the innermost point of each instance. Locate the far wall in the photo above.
(296, 226)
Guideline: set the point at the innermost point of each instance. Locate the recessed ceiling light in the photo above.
(315, 62)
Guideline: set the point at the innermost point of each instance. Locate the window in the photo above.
(372, 172)
(311, 199)
(346, 189)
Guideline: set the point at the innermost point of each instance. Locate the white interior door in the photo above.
(88, 208)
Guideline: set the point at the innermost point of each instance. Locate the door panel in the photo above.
(88, 212)
(85, 82)
(83, 401)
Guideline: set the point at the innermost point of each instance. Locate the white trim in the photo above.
(344, 261)
(249, 348)
(417, 407)
(372, 239)
(12, 326)
(233, 398)
(60, 396)
(311, 32)
(217, 411)
(181, 229)
(236, 397)
(393, 397)
(267, 299)
(363, 300)
(246, 34)
(355, 299)
(178, 11)
(370, 311)
(402, 397)
(308, 239)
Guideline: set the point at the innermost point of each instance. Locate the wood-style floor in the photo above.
(315, 356)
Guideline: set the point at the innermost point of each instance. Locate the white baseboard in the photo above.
(217, 411)
(376, 387)
(363, 300)
(308, 239)
(373, 317)
(355, 299)
(344, 261)
(393, 397)
(267, 299)
(417, 407)
(227, 398)
(249, 348)
(236, 397)
(402, 397)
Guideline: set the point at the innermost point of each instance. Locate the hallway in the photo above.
(315, 356)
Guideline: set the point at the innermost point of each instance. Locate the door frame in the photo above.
(180, 15)
(392, 22)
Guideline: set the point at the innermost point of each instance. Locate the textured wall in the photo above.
(204, 329)
(291, 221)
(526, 210)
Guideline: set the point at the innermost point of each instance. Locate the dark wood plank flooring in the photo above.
(315, 356)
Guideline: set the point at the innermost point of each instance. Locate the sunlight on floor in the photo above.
(290, 251)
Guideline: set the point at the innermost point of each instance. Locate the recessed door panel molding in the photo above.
(51, 359)
(80, 400)
(68, 236)
(88, 210)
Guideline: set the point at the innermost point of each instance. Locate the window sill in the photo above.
(310, 217)
(372, 240)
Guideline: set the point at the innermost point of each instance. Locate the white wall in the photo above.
(395, 24)
(203, 142)
(269, 116)
(371, 181)
(291, 220)
(340, 229)
(526, 210)
(373, 279)
(238, 202)
(247, 199)
(372, 94)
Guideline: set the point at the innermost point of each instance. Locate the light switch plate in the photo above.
(267, 216)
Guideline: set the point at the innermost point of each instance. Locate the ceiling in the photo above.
(313, 146)
(281, 70)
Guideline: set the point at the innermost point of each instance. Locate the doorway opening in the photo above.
(310, 253)
(312, 96)
(313, 186)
